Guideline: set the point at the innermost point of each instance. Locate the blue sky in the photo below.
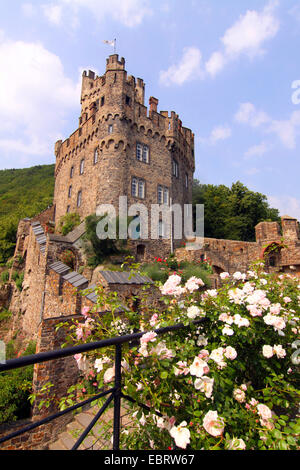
(226, 67)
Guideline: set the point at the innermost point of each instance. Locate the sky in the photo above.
(229, 68)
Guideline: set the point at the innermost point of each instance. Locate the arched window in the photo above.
(79, 198)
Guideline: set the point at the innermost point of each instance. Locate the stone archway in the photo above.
(272, 255)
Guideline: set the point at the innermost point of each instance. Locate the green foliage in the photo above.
(68, 222)
(232, 213)
(19, 281)
(163, 268)
(5, 276)
(229, 382)
(5, 315)
(23, 193)
(15, 387)
(98, 250)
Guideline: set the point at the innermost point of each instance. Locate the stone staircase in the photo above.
(99, 438)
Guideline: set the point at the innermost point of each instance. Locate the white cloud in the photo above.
(53, 13)
(286, 131)
(219, 133)
(248, 114)
(35, 97)
(188, 68)
(130, 13)
(215, 64)
(257, 150)
(246, 37)
(287, 205)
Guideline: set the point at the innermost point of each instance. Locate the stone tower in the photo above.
(123, 149)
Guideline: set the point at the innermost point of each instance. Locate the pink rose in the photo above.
(213, 424)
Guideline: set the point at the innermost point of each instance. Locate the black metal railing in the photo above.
(115, 393)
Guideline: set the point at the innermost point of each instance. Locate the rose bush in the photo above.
(228, 382)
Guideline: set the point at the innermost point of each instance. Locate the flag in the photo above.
(110, 43)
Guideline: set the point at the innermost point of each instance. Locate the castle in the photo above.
(119, 149)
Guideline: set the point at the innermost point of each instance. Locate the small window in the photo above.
(82, 167)
(79, 199)
(110, 129)
(96, 155)
(68, 209)
(70, 191)
(134, 185)
(145, 154)
(127, 100)
(138, 188)
(160, 194)
(141, 189)
(175, 169)
(142, 152)
(166, 196)
(163, 195)
(161, 229)
(102, 100)
(186, 181)
(72, 172)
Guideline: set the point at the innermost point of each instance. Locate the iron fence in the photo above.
(115, 393)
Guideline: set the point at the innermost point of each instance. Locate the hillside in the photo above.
(23, 193)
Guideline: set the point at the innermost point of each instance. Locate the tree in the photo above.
(232, 213)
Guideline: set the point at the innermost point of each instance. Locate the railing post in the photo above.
(117, 397)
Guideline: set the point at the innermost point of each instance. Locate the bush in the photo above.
(98, 250)
(19, 281)
(15, 387)
(68, 222)
(228, 382)
(5, 315)
(5, 276)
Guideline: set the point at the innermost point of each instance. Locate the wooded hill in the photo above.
(23, 193)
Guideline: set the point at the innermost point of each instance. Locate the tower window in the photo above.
(175, 169)
(142, 152)
(79, 198)
(68, 209)
(96, 154)
(70, 191)
(72, 172)
(166, 196)
(138, 188)
(127, 100)
(110, 129)
(186, 181)
(102, 100)
(162, 195)
(161, 229)
(82, 167)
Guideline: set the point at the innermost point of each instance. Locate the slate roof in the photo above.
(60, 268)
(76, 280)
(115, 277)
